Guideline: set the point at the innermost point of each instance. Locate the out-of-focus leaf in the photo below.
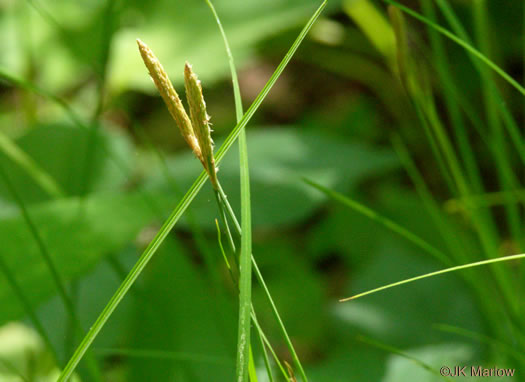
(179, 31)
(77, 234)
(279, 157)
(72, 35)
(23, 356)
(373, 24)
(297, 291)
(405, 206)
(91, 294)
(354, 362)
(400, 369)
(345, 232)
(63, 157)
(353, 235)
(178, 313)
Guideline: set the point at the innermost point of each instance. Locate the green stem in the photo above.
(275, 312)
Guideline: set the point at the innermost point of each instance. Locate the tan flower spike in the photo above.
(170, 97)
(201, 121)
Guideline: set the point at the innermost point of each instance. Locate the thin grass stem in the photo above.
(431, 274)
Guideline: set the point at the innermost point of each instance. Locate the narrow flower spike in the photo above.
(170, 97)
(201, 121)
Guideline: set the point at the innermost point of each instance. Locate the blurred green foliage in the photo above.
(329, 118)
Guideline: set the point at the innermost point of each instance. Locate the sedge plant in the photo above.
(177, 213)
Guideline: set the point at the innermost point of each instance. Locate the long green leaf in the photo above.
(179, 210)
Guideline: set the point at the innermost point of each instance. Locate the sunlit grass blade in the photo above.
(38, 174)
(373, 24)
(252, 371)
(431, 274)
(401, 353)
(179, 210)
(384, 221)
(455, 245)
(462, 43)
